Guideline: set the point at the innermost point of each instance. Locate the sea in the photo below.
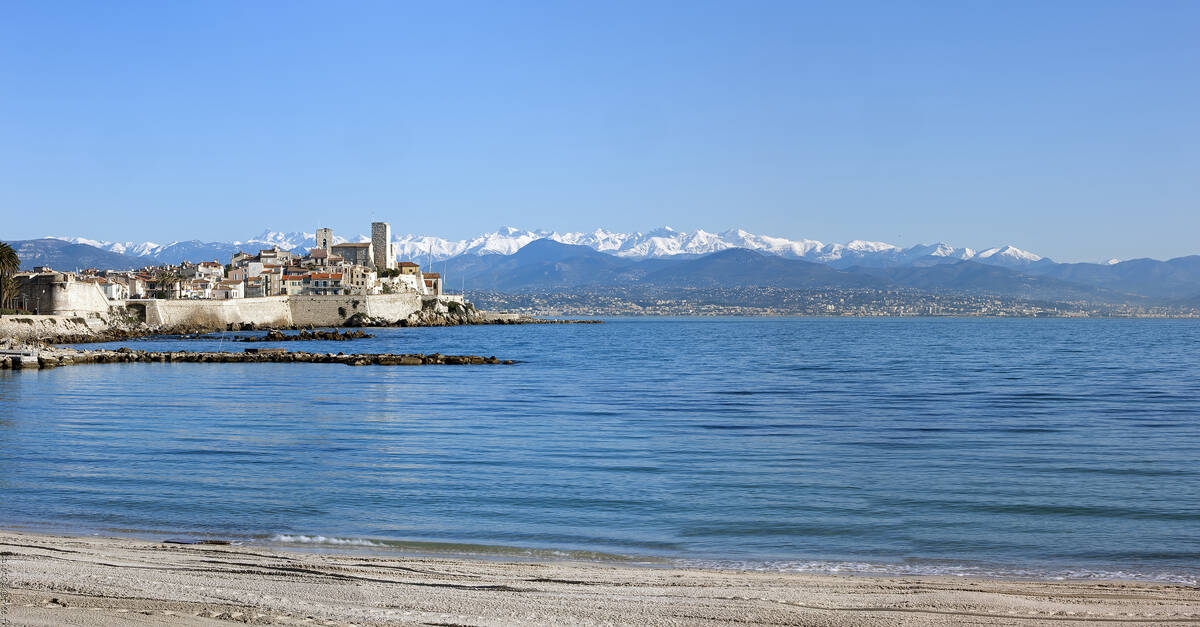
(1029, 448)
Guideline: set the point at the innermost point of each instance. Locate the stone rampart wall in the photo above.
(54, 294)
(274, 310)
(33, 328)
(214, 314)
(83, 298)
(393, 307)
(325, 310)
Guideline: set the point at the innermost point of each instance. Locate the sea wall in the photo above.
(211, 314)
(277, 311)
(59, 294)
(35, 328)
(393, 307)
(326, 310)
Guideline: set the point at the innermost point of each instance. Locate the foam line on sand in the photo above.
(55, 580)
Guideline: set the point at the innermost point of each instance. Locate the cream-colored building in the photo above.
(360, 279)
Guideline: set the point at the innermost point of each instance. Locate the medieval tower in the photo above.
(324, 238)
(381, 241)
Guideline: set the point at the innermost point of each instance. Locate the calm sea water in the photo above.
(1047, 448)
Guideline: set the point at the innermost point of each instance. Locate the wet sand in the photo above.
(53, 580)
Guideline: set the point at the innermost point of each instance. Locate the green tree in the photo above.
(9, 264)
(8, 288)
(166, 280)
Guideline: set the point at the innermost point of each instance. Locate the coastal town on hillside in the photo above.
(333, 268)
(347, 268)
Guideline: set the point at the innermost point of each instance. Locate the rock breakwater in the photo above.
(57, 357)
(275, 335)
(96, 328)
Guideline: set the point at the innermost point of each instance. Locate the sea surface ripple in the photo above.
(1040, 448)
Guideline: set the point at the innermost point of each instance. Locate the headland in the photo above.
(279, 313)
(347, 284)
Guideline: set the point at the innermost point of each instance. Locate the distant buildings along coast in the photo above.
(342, 269)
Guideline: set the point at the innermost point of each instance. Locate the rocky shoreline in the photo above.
(48, 330)
(275, 335)
(461, 317)
(19, 358)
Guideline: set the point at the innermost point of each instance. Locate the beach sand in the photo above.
(53, 580)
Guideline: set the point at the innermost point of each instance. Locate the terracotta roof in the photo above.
(326, 276)
(431, 275)
(408, 264)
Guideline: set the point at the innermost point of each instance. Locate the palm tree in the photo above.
(166, 280)
(9, 264)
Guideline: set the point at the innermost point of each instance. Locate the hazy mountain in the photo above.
(660, 243)
(1171, 279)
(971, 276)
(738, 267)
(197, 250)
(62, 255)
(599, 256)
(545, 264)
(542, 264)
(666, 242)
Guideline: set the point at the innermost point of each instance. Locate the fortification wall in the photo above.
(34, 328)
(84, 298)
(57, 294)
(214, 314)
(274, 310)
(325, 310)
(393, 307)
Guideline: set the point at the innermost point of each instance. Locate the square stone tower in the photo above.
(324, 238)
(381, 241)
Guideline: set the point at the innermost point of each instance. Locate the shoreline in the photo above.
(950, 568)
(25, 359)
(54, 579)
(96, 329)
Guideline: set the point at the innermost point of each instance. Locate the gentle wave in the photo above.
(945, 569)
(414, 547)
(913, 568)
(297, 539)
(1059, 449)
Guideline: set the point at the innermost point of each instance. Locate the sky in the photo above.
(1071, 129)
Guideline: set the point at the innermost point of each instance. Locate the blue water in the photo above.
(1046, 448)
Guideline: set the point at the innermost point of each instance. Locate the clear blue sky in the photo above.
(1068, 128)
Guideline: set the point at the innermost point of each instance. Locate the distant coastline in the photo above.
(782, 302)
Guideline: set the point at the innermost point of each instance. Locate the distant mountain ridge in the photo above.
(548, 265)
(513, 260)
(658, 243)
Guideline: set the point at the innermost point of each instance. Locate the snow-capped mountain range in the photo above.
(658, 243)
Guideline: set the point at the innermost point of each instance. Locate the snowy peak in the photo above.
(656, 243)
(124, 248)
(286, 241)
(1009, 256)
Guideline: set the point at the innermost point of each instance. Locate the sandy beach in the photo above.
(53, 580)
